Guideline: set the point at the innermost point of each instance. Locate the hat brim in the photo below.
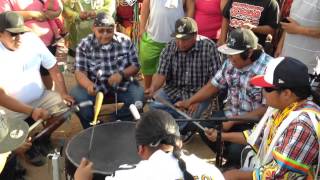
(260, 81)
(224, 49)
(182, 36)
(19, 29)
(18, 132)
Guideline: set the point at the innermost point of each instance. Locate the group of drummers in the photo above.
(249, 83)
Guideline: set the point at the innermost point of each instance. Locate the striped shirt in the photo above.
(187, 72)
(92, 57)
(296, 150)
(242, 96)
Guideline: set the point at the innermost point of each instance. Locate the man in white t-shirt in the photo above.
(22, 53)
(159, 145)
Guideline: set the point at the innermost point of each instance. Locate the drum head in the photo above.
(113, 145)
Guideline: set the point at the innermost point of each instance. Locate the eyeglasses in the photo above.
(15, 34)
(105, 30)
(269, 89)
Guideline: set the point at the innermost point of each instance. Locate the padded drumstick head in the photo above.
(97, 107)
(134, 111)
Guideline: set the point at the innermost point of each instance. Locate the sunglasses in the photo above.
(270, 89)
(15, 34)
(107, 31)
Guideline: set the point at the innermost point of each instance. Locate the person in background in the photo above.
(209, 17)
(301, 34)
(79, 16)
(159, 146)
(259, 16)
(37, 18)
(156, 25)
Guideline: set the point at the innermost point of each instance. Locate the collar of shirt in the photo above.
(254, 66)
(196, 46)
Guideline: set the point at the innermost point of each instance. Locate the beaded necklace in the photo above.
(278, 120)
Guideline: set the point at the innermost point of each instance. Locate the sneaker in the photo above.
(186, 138)
(34, 157)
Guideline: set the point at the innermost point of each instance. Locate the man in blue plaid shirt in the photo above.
(105, 61)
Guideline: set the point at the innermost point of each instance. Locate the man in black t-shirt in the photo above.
(261, 16)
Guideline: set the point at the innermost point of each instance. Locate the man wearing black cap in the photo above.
(105, 61)
(286, 140)
(245, 60)
(186, 64)
(21, 56)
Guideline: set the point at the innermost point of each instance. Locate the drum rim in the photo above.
(77, 164)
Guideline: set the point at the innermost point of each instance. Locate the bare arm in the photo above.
(83, 80)
(234, 137)
(203, 94)
(189, 10)
(59, 82)
(265, 29)
(158, 81)
(293, 27)
(224, 31)
(13, 104)
(145, 11)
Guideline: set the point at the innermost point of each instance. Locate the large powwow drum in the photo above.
(113, 148)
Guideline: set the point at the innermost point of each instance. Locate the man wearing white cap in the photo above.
(245, 60)
(286, 140)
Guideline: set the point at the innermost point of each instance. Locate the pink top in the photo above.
(42, 29)
(208, 17)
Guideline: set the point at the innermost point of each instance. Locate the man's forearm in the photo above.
(266, 29)
(58, 79)
(130, 71)
(255, 114)
(157, 81)
(310, 31)
(82, 79)
(234, 137)
(13, 104)
(204, 93)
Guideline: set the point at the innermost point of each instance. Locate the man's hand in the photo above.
(39, 113)
(248, 26)
(292, 27)
(149, 93)
(115, 79)
(182, 104)
(84, 15)
(24, 147)
(211, 134)
(90, 90)
(84, 171)
(38, 16)
(69, 100)
(193, 108)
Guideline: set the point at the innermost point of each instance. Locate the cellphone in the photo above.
(285, 20)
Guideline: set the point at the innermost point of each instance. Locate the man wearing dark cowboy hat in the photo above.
(186, 64)
(105, 61)
(22, 53)
(159, 146)
(245, 60)
(286, 140)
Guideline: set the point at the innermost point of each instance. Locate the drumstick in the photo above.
(167, 103)
(34, 125)
(97, 107)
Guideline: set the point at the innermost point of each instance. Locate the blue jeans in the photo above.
(182, 125)
(134, 93)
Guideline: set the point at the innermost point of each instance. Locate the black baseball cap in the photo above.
(12, 22)
(103, 20)
(283, 72)
(185, 28)
(238, 41)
